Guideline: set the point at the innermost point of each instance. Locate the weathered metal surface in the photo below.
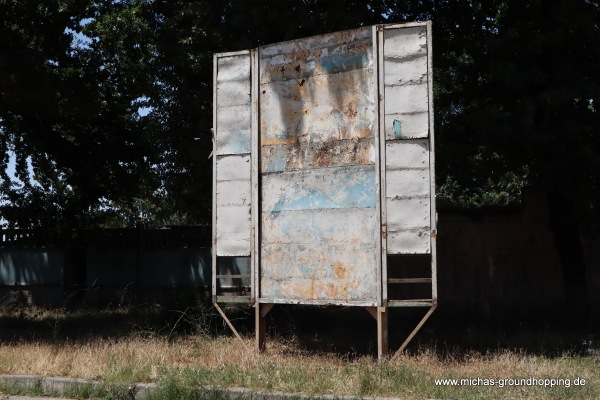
(298, 127)
(233, 134)
(406, 126)
(320, 225)
(317, 102)
(408, 196)
(233, 199)
(233, 138)
(406, 83)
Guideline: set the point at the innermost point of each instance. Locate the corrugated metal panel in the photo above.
(320, 224)
(406, 90)
(233, 136)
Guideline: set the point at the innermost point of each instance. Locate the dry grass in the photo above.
(143, 355)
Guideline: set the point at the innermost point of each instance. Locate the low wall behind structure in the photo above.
(491, 265)
(504, 264)
(134, 265)
(32, 275)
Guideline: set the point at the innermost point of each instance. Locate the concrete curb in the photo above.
(140, 391)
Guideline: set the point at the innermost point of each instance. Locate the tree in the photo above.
(516, 95)
(72, 83)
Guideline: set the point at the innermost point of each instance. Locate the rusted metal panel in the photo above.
(233, 140)
(317, 102)
(320, 180)
(406, 83)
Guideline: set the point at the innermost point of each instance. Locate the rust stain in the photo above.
(384, 231)
(340, 270)
(351, 110)
(331, 291)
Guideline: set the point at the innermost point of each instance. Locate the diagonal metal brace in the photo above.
(235, 332)
(414, 332)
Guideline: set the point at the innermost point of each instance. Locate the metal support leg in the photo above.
(382, 333)
(380, 314)
(261, 311)
(414, 332)
(235, 332)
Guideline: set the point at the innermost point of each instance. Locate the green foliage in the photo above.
(516, 95)
(68, 110)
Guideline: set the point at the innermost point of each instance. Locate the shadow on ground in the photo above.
(342, 331)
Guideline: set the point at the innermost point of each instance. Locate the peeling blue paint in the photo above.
(397, 128)
(335, 63)
(353, 187)
(278, 161)
(281, 135)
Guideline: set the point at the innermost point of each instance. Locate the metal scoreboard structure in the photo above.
(324, 173)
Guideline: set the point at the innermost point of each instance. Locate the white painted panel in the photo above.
(234, 141)
(233, 167)
(233, 136)
(234, 219)
(234, 193)
(232, 244)
(400, 72)
(405, 42)
(406, 99)
(406, 111)
(406, 214)
(232, 68)
(234, 118)
(406, 126)
(415, 241)
(406, 83)
(233, 93)
(406, 183)
(407, 154)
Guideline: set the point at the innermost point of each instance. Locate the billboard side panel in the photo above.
(407, 147)
(233, 146)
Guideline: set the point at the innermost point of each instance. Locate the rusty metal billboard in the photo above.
(323, 163)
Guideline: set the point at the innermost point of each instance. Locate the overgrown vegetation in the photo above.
(314, 352)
